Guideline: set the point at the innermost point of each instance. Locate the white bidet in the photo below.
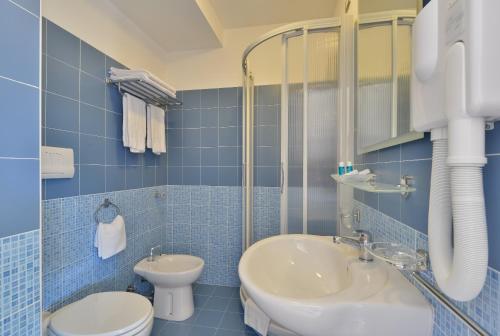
(172, 277)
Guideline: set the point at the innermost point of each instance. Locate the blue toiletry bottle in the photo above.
(341, 168)
(349, 167)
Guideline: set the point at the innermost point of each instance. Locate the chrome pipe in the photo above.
(446, 302)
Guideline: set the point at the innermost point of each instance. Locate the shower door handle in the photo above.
(282, 177)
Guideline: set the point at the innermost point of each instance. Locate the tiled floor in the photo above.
(218, 312)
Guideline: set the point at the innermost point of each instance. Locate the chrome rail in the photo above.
(447, 302)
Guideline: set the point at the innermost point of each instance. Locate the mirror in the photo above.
(383, 74)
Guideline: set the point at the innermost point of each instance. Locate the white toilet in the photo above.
(172, 276)
(104, 314)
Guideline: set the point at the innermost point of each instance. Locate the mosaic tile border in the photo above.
(485, 309)
(20, 284)
(205, 221)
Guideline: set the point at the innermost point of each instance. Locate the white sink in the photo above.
(314, 287)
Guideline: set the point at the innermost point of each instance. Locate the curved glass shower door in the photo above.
(291, 132)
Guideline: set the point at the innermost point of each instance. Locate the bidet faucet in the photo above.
(360, 241)
(155, 251)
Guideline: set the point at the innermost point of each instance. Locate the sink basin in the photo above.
(314, 287)
(172, 276)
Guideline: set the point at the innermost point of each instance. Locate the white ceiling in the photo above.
(180, 25)
(369, 6)
(245, 13)
(173, 24)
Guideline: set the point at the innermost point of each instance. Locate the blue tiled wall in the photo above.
(266, 212)
(485, 309)
(20, 289)
(19, 167)
(204, 138)
(71, 267)
(202, 212)
(82, 112)
(198, 220)
(267, 107)
(414, 158)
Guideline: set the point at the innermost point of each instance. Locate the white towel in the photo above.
(134, 123)
(256, 318)
(110, 239)
(125, 74)
(156, 129)
(365, 172)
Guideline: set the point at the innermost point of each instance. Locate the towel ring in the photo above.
(106, 204)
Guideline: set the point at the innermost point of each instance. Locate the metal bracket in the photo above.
(356, 215)
(424, 264)
(489, 125)
(404, 183)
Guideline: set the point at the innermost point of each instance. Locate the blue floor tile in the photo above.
(209, 318)
(225, 291)
(216, 303)
(203, 289)
(235, 306)
(200, 300)
(218, 312)
(158, 325)
(223, 332)
(233, 321)
(175, 329)
(202, 331)
(192, 319)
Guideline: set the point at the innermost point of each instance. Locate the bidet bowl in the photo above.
(170, 270)
(315, 287)
(172, 277)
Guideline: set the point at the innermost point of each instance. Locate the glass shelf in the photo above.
(399, 255)
(372, 186)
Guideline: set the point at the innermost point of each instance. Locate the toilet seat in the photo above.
(103, 314)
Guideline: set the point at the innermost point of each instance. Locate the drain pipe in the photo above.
(456, 198)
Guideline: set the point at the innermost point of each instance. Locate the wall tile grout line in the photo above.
(19, 82)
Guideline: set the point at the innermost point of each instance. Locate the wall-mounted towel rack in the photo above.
(145, 91)
(106, 204)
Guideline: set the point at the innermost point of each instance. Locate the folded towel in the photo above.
(365, 172)
(134, 123)
(110, 239)
(125, 74)
(156, 129)
(256, 318)
(354, 172)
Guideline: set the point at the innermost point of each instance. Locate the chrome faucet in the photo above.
(360, 241)
(154, 252)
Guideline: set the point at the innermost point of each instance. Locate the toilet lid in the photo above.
(102, 314)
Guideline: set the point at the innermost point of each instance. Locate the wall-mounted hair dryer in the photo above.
(455, 89)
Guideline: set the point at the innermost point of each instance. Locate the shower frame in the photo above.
(345, 25)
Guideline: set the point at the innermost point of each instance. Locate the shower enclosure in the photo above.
(297, 117)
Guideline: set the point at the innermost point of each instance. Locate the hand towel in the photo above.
(156, 129)
(365, 172)
(110, 238)
(256, 318)
(134, 123)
